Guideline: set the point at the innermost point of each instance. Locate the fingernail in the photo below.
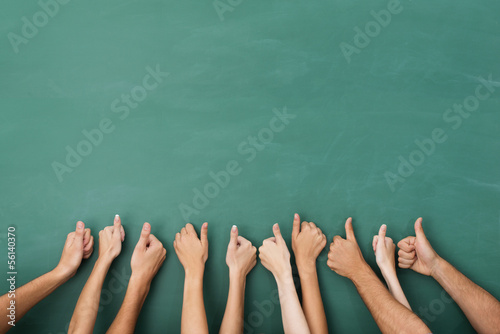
(146, 227)
(234, 228)
(296, 216)
(205, 225)
(79, 225)
(117, 215)
(276, 226)
(384, 226)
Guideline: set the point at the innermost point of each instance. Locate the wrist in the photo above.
(139, 284)
(360, 272)
(284, 277)
(437, 268)
(308, 269)
(237, 276)
(61, 275)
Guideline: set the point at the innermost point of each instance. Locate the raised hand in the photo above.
(241, 255)
(110, 240)
(79, 245)
(148, 256)
(384, 249)
(307, 244)
(275, 256)
(191, 251)
(345, 257)
(416, 253)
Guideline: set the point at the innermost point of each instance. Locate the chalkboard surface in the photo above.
(244, 112)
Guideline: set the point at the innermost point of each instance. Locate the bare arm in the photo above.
(241, 258)
(275, 256)
(307, 244)
(345, 259)
(480, 307)
(147, 259)
(389, 314)
(384, 252)
(126, 319)
(193, 253)
(79, 245)
(85, 314)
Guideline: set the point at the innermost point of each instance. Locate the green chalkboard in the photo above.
(173, 111)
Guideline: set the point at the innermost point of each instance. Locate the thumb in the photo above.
(277, 232)
(419, 230)
(79, 233)
(381, 236)
(145, 232)
(349, 232)
(204, 234)
(117, 227)
(296, 226)
(234, 236)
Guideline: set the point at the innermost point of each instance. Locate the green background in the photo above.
(352, 123)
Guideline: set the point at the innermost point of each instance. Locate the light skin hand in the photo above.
(110, 240)
(275, 256)
(416, 253)
(191, 251)
(307, 244)
(345, 257)
(147, 259)
(148, 256)
(75, 249)
(241, 255)
(384, 249)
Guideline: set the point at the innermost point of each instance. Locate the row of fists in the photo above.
(344, 257)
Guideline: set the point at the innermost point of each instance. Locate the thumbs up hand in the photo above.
(275, 256)
(416, 253)
(241, 255)
(345, 257)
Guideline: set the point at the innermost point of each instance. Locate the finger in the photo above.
(407, 244)
(381, 236)
(242, 241)
(296, 226)
(419, 230)
(404, 266)
(405, 261)
(312, 225)
(89, 248)
(117, 227)
(86, 237)
(277, 233)
(190, 228)
(406, 255)
(144, 238)
(122, 233)
(234, 236)
(374, 242)
(183, 230)
(204, 234)
(349, 231)
(79, 233)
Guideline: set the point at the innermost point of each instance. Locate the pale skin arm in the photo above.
(241, 258)
(307, 244)
(147, 259)
(345, 259)
(193, 253)
(479, 306)
(78, 246)
(110, 243)
(385, 255)
(275, 257)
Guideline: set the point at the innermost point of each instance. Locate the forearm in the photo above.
(85, 312)
(312, 303)
(194, 319)
(294, 321)
(29, 295)
(394, 286)
(480, 307)
(232, 323)
(126, 319)
(389, 314)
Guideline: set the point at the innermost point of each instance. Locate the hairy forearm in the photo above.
(480, 307)
(311, 300)
(294, 321)
(29, 295)
(85, 313)
(232, 323)
(394, 286)
(194, 319)
(126, 319)
(389, 314)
